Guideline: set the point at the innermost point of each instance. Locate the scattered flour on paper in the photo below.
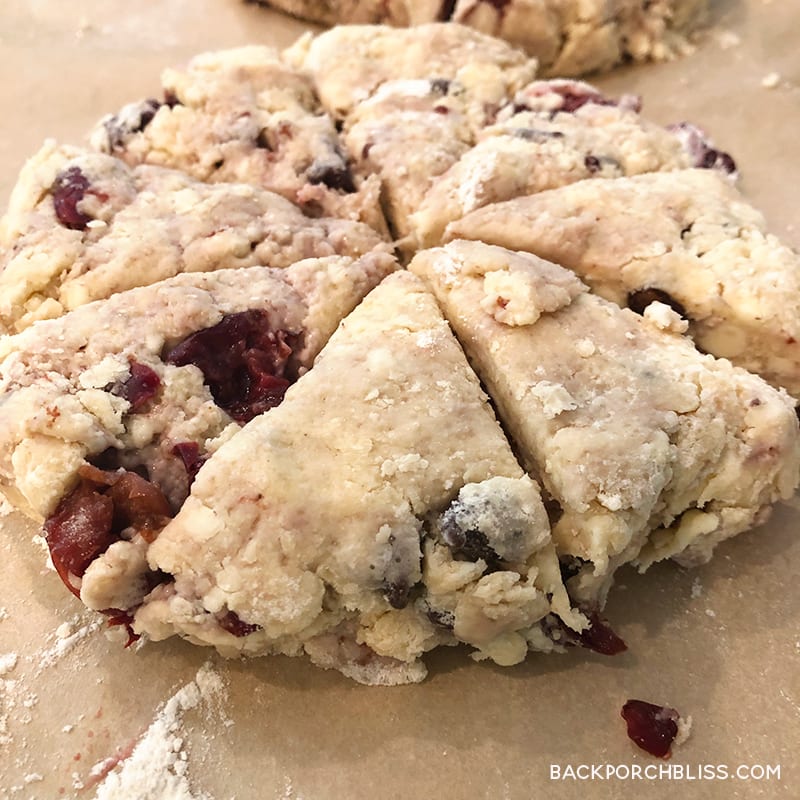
(157, 767)
(41, 543)
(5, 507)
(67, 635)
(289, 792)
(7, 694)
(726, 39)
(7, 662)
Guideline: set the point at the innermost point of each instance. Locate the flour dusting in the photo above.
(7, 694)
(5, 507)
(157, 767)
(7, 662)
(68, 634)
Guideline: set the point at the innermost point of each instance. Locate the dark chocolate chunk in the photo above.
(171, 99)
(535, 134)
(701, 152)
(592, 163)
(570, 566)
(446, 10)
(120, 127)
(397, 593)
(335, 174)
(444, 619)
(440, 86)
(468, 544)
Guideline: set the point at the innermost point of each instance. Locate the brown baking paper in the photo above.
(720, 643)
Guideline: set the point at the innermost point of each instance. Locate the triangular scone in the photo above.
(408, 132)
(348, 63)
(550, 134)
(651, 449)
(82, 226)
(243, 115)
(376, 513)
(114, 384)
(687, 238)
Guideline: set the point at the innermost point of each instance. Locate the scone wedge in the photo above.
(407, 133)
(82, 225)
(686, 238)
(554, 133)
(376, 513)
(348, 63)
(243, 115)
(139, 389)
(650, 449)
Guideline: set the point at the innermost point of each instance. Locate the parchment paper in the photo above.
(720, 643)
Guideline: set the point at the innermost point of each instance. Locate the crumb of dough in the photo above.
(727, 39)
(7, 663)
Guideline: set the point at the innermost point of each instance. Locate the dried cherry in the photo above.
(574, 97)
(68, 189)
(231, 622)
(599, 636)
(94, 514)
(117, 617)
(650, 726)
(243, 362)
(190, 456)
(79, 531)
(140, 386)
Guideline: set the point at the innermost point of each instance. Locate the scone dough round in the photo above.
(245, 424)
